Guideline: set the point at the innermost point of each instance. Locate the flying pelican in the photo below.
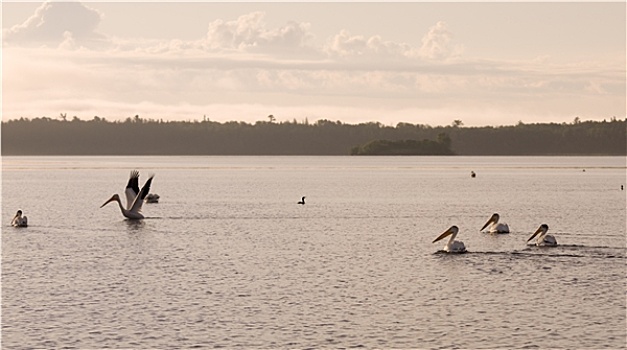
(543, 239)
(495, 227)
(452, 246)
(134, 197)
(302, 201)
(152, 198)
(19, 220)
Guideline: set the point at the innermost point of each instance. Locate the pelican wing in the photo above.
(132, 189)
(549, 241)
(139, 199)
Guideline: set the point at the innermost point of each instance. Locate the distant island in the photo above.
(441, 147)
(137, 136)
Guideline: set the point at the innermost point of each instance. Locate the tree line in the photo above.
(137, 136)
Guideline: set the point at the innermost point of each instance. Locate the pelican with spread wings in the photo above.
(134, 197)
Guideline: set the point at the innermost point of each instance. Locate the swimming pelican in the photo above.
(302, 201)
(19, 220)
(152, 198)
(452, 246)
(495, 227)
(134, 197)
(543, 240)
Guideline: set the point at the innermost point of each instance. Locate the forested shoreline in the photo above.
(440, 147)
(136, 136)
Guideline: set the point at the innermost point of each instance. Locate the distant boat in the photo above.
(19, 220)
(152, 198)
(134, 197)
(302, 201)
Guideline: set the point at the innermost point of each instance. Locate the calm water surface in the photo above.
(228, 259)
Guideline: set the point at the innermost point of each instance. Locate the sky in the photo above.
(487, 63)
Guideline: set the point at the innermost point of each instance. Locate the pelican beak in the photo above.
(535, 233)
(443, 235)
(109, 201)
(491, 221)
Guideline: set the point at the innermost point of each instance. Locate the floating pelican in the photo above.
(19, 220)
(134, 197)
(302, 201)
(152, 198)
(543, 239)
(452, 246)
(495, 227)
(472, 174)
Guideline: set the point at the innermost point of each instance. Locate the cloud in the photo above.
(347, 46)
(436, 44)
(253, 69)
(56, 23)
(249, 32)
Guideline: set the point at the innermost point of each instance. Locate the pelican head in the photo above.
(492, 221)
(541, 231)
(543, 239)
(495, 226)
(452, 246)
(115, 197)
(453, 230)
(19, 213)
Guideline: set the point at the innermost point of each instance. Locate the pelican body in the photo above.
(19, 220)
(495, 226)
(302, 201)
(134, 197)
(452, 246)
(543, 239)
(152, 198)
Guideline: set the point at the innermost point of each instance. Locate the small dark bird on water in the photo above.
(302, 201)
(472, 174)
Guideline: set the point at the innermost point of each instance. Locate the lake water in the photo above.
(227, 259)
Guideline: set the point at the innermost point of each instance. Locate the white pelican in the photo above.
(134, 197)
(543, 239)
(152, 198)
(302, 201)
(452, 246)
(19, 220)
(495, 227)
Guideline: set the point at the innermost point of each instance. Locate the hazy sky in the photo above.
(484, 63)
